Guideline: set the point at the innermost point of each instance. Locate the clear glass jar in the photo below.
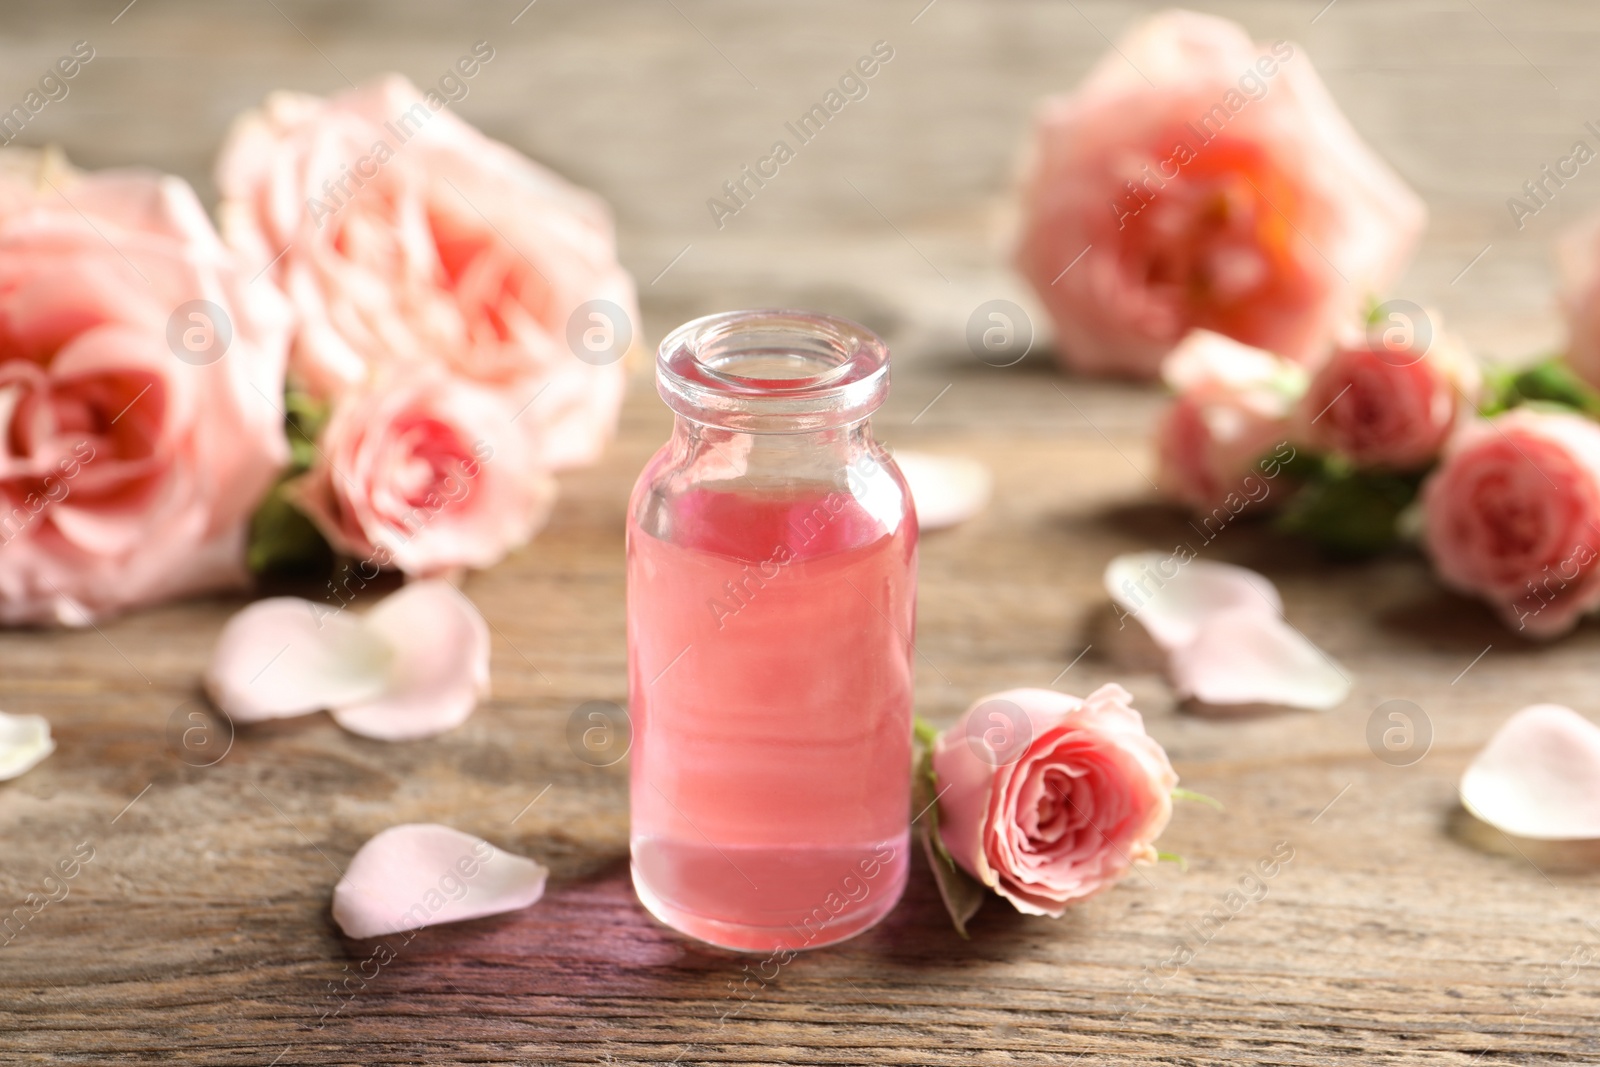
(772, 554)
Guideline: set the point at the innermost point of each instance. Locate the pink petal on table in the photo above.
(1174, 599)
(421, 874)
(439, 670)
(24, 742)
(285, 656)
(946, 489)
(1539, 776)
(1244, 655)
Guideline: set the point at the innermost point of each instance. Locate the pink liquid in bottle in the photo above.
(770, 692)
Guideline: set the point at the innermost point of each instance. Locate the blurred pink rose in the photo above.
(1231, 413)
(1388, 405)
(1226, 192)
(1062, 818)
(425, 475)
(1579, 260)
(1512, 515)
(139, 433)
(405, 237)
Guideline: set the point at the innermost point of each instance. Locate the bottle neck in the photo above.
(774, 373)
(756, 460)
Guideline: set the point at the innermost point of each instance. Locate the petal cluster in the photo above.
(1223, 631)
(413, 666)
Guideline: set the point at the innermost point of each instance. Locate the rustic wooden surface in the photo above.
(1399, 933)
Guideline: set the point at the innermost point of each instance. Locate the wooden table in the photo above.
(200, 932)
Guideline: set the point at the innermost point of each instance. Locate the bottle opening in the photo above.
(773, 371)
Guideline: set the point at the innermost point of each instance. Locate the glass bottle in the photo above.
(772, 552)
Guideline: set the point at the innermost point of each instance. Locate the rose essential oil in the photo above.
(771, 599)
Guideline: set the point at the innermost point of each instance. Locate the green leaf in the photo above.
(1553, 381)
(1173, 857)
(284, 541)
(961, 893)
(1549, 384)
(1180, 793)
(1349, 512)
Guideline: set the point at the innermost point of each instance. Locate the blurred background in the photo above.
(897, 213)
(205, 925)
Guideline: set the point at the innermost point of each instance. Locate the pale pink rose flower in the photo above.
(128, 475)
(1512, 515)
(1230, 416)
(405, 238)
(425, 475)
(1226, 193)
(1063, 818)
(1388, 405)
(1579, 261)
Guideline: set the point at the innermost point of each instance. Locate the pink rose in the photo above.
(404, 237)
(1062, 818)
(1231, 413)
(1512, 515)
(1227, 193)
(1385, 404)
(425, 475)
(1579, 260)
(140, 429)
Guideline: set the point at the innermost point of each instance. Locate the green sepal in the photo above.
(1180, 793)
(961, 893)
(283, 541)
(304, 421)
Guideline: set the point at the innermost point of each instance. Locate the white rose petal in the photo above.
(1539, 776)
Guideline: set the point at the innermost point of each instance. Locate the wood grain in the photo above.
(1398, 933)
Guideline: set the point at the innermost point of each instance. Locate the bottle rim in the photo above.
(773, 370)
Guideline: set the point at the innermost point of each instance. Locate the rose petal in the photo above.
(286, 656)
(946, 489)
(1208, 362)
(1539, 776)
(1244, 655)
(440, 666)
(420, 874)
(24, 742)
(1174, 599)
